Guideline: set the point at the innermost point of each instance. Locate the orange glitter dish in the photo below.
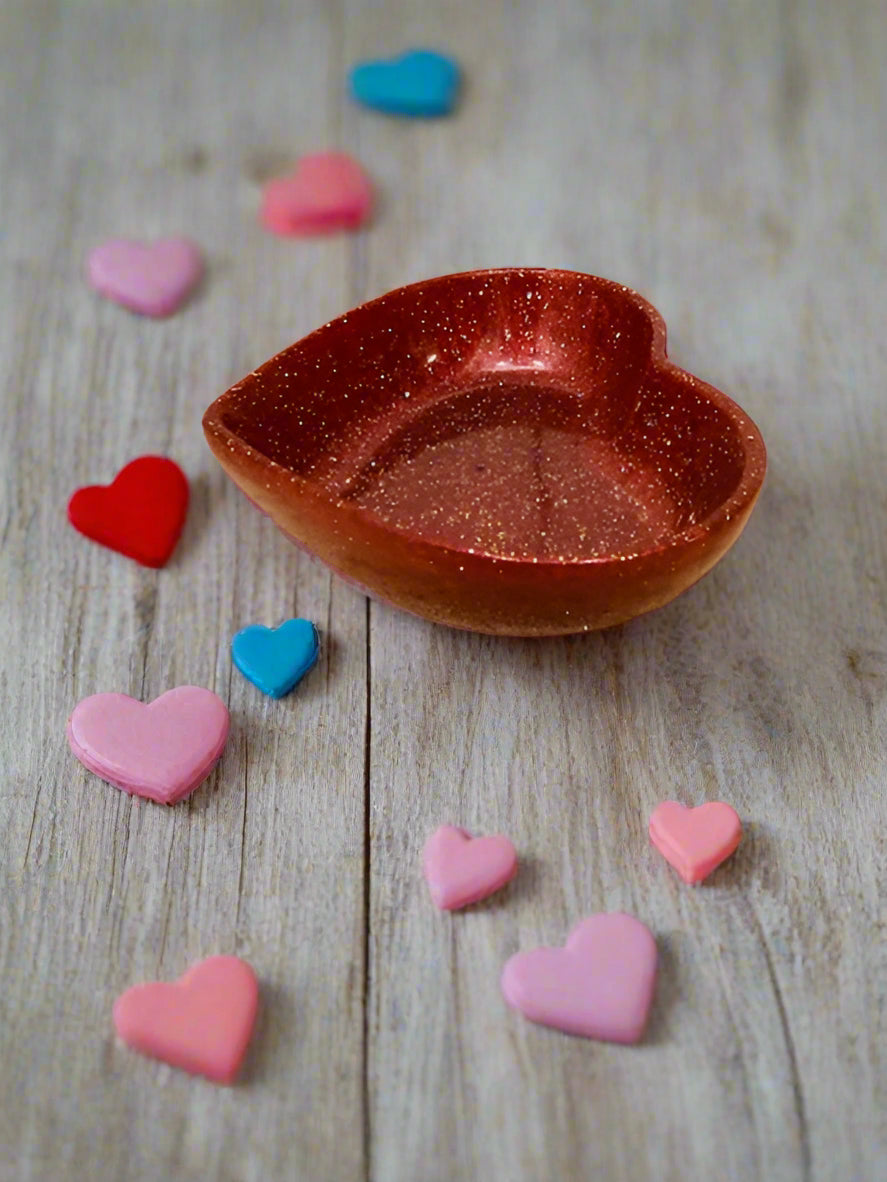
(507, 451)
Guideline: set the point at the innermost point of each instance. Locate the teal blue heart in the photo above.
(276, 659)
(419, 83)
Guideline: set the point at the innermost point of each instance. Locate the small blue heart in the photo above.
(276, 659)
(419, 82)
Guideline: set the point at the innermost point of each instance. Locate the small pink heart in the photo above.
(152, 279)
(461, 869)
(328, 191)
(695, 841)
(201, 1023)
(161, 750)
(599, 985)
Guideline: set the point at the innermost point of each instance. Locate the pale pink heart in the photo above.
(153, 279)
(328, 191)
(695, 841)
(461, 869)
(161, 750)
(599, 985)
(201, 1023)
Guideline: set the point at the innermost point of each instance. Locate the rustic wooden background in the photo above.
(727, 160)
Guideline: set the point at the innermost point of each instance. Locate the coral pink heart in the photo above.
(599, 985)
(461, 869)
(202, 1023)
(152, 279)
(161, 750)
(695, 841)
(328, 191)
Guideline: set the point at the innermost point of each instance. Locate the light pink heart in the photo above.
(599, 985)
(461, 869)
(153, 279)
(162, 750)
(201, 1024)
(328, 191)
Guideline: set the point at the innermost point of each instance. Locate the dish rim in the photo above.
(737, 505)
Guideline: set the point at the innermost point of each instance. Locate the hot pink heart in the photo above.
(201, 1023)
(328, 191)
(161, 750)
(152, 279)
(600, 985)
(461, 869)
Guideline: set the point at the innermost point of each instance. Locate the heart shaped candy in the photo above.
(461, 869)
(162, 750)
(201, 1023)
(695, 841)
(140, 514)
(599, 985)
(276, 659)
(153, 279)
(328, 191)
(418, 83)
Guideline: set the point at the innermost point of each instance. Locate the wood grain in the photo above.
(728, 165)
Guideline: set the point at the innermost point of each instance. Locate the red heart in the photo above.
(140, 514)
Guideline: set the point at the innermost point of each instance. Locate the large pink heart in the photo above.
(153, 279)
(461, 869)
(201, 1023)
(599, 985)
(161, 750)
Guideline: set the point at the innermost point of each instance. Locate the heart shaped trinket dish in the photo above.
(506, 451)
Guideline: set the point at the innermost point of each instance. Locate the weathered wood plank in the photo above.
(147, 121)
(725, 167)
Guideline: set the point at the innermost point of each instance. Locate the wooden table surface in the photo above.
(728, 162)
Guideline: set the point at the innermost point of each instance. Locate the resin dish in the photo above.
(506, 451)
